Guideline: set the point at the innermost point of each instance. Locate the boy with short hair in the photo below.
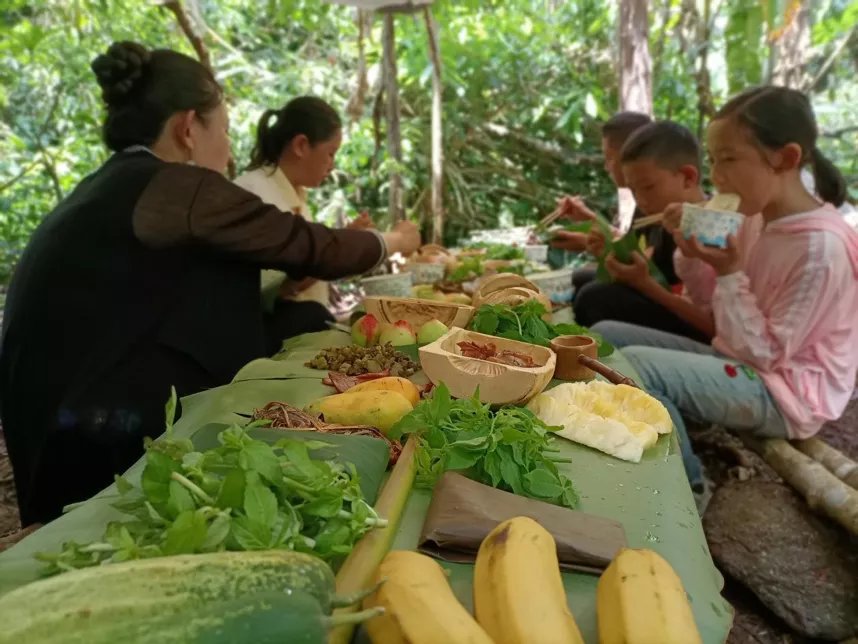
(615, 132)
(660, 164)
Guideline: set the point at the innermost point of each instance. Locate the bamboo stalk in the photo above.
(824, 492)
(358, 569)
(834, 461)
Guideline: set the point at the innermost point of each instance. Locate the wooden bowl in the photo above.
(499, 384)
(499, 282)
(417, 312)
(568, 349)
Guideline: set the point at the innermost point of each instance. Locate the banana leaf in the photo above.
(87, 521)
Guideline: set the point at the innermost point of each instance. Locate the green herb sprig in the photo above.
(509, 449)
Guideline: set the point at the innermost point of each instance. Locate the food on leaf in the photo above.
(380, 409)
(431, 331)
(355, 361)
(619, 420)
(400, 385)
(398, 334)
(365, 331)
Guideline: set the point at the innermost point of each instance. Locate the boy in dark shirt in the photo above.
(660, 163)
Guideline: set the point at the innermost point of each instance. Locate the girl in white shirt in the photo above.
(295, 150)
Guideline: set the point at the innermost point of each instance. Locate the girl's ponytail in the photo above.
(264, 152)
(830, 184)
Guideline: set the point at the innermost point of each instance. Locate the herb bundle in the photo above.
(525, 324)
(509, 449)
(243, 495)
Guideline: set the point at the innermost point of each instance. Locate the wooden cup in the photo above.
(568, 348)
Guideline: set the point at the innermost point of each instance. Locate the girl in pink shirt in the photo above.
(785, 354)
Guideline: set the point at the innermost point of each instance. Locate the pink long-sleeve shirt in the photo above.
(792, 315)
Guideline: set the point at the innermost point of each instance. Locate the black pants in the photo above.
(289, 319)
(596, 301)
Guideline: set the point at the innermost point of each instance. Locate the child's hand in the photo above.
(724, 260)
(595, 242)
(672, 217)
(575, 209)
(568, 240)
(634, 274)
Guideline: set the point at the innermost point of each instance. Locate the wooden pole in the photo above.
(437, 196)
(635, 73)
(196, 40)
(823, 491)
(394, 135)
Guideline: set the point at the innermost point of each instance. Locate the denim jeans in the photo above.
(691, 379)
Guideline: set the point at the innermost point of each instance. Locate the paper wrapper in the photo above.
(463, 512)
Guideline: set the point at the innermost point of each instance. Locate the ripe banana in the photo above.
(518, 593)
(640, 600)
(419, 605)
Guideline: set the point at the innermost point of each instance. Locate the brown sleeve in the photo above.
(187, 204)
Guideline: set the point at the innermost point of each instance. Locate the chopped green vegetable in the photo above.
(509, 449)
(243, 495)
(469, 268)
(497, 251)
(525, 324)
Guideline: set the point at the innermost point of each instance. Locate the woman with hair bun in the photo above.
(295, 150)
(145, 277)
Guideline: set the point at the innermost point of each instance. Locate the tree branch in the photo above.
(832, 58)
(185, 24)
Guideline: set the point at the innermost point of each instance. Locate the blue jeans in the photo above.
(691, 379)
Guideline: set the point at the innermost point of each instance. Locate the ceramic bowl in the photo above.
(396, 285)
(417, 312)
(499, 384)
(711, 227)
(557, 285)
(425, 273)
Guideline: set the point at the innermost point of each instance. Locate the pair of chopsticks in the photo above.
(547, 220)
(647, 221)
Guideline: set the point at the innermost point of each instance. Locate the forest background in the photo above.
(526, 84)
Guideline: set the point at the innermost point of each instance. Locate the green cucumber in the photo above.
(136, 591)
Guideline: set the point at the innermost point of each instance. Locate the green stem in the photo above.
(193, 487)
(297, 485)
(369, 521)
(559, 460)
(310, 543)
(340, 619)
(341, 601)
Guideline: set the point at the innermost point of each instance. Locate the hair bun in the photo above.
(119, 69)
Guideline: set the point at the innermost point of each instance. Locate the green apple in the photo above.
(366, 331)
(431, 331)
(399, 334)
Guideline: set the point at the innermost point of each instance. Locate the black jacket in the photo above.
(145, 277)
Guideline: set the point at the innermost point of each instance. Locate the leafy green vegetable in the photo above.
(497, 251)
(525, 324)
(469, 268)
(241, 495)
(509, 449)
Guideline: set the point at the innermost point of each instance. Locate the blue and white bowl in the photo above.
(557, 285)
(425, 273)
(395, 285)
(711, 227)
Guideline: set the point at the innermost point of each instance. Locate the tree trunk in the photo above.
(635, 79)
(437, 198)
(394, 136)
(195, 37)
(823, 491)
(834, 461)
(793, 46)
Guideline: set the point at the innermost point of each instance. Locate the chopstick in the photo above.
(647, 221)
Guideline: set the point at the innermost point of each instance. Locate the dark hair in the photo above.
(143, 88)
(669, 144)
(777, 116)
(622, 125)
(307, 115)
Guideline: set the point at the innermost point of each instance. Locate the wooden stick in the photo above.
(604, 370)
(834, 461)
(824, 492)
(358, 569)
(647, 221)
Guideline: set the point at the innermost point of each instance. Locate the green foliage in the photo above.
(526, 85)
